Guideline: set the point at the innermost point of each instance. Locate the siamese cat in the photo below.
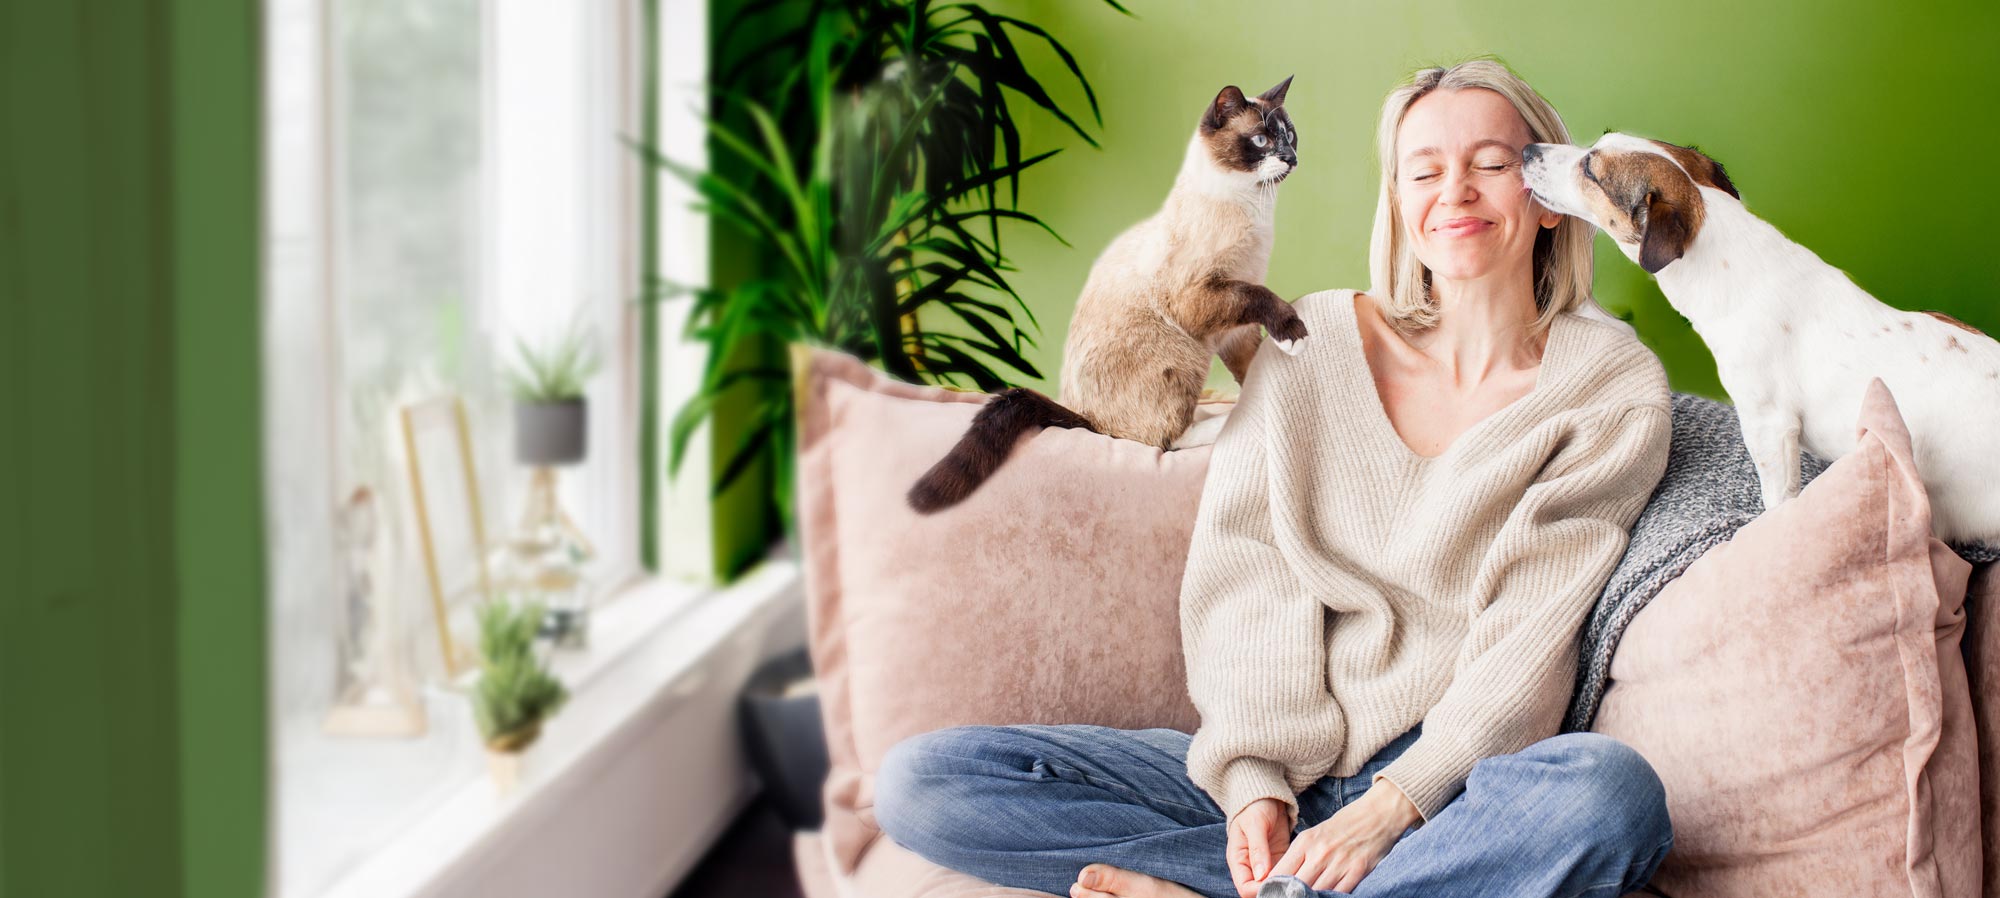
(1165, 297)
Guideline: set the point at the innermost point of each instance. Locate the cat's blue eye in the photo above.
(1258, 139)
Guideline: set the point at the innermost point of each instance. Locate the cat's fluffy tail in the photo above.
(1004, 418)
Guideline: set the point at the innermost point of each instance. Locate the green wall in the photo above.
(132, 619)
(1860, 129)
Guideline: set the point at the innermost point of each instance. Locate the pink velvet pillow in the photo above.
(1982, 636)
(1049, 596)
(1801, 693)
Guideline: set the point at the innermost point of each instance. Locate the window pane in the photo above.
(416, 151)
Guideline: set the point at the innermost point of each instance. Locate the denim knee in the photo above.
(896, 778)
(910, 782)
(1620, 796)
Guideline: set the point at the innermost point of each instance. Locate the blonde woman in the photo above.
(1402, 531)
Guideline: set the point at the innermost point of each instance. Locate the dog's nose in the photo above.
(1531, 152)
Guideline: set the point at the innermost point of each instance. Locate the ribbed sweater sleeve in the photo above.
(1253, 636)
(1551, 556)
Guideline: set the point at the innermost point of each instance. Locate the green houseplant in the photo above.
(551, 415)
(515, 693)
(870, 177)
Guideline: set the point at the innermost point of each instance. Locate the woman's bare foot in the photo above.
(1106, 881)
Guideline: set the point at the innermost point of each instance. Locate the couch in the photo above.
(1050, 596)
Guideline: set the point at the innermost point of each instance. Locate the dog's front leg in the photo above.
(1772, 436)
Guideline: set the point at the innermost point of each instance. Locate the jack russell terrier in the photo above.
(1795, 341)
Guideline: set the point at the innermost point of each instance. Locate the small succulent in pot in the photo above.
(550, 414)
(516, 692)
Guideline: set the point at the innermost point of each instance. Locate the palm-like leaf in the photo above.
(872, 175)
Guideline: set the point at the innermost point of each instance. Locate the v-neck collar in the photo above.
(1555, 353)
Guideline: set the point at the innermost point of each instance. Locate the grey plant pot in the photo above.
(550, 433)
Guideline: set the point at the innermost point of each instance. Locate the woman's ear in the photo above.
(1548, 218)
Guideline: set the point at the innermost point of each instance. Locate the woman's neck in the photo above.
(1484, 327)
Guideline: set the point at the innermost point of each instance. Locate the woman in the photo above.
(1402, 531)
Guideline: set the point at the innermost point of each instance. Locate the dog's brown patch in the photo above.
(1955, 322)
(1704, 170)
(1643, 198)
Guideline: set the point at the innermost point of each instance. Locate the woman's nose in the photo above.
(1458, 188)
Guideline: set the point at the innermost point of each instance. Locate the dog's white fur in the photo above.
(1796, 343)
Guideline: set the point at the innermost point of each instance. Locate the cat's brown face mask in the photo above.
(1252, 134)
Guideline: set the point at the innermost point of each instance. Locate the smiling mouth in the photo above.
(1464, 226)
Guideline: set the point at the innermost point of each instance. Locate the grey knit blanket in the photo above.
(1709, 490)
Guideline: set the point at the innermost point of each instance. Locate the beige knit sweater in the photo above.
(1341, 588)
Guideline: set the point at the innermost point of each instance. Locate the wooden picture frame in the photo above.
(444, 488)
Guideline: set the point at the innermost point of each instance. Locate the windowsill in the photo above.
(657, 649)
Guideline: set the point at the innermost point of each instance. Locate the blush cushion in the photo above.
(1801, 693)
(1051, 595)
(1982, 659)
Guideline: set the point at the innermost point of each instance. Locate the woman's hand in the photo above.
(1257, 834)
(1338, 853)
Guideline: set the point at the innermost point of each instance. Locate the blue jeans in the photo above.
(1029, 806)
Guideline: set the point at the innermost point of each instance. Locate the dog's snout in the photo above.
(1531, 152)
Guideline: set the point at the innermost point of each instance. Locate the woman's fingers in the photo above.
(1342, 874)
(1239, 856)
(1260, 853)
(1293, 861)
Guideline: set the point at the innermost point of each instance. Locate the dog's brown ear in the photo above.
(1701, 167)
(1669, 228)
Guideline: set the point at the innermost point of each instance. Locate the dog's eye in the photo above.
(1258, 139)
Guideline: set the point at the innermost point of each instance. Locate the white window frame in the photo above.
(304, 405)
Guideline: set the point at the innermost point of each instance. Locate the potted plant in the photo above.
(868, 152)
(550, 413)
(550, 423)
(516, 692)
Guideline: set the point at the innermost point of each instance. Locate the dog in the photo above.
(1796, 342)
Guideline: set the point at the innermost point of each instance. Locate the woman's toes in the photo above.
(1118, 882)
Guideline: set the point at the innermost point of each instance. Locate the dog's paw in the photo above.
(1284, 886)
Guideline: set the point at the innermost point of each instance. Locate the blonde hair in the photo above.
(1402, 285)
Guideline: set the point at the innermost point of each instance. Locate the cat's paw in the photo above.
(1288, 334)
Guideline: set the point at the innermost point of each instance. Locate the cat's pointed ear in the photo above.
(1276, 96)
(1226, 105)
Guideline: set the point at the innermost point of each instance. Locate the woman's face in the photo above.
(1458, 185)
